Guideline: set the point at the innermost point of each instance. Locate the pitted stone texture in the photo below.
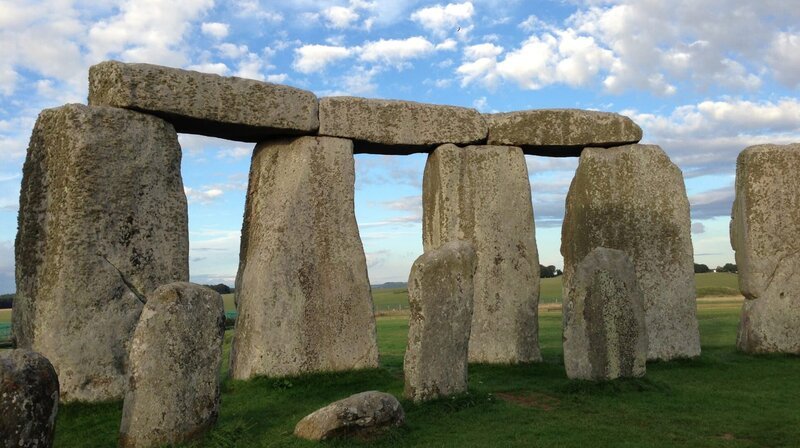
(205, 104)
(765, 233)
(633, 199)
(175, 358)
(561, 132)
(28, 399)
(398, 127)
(605, 336)
(440, 295)
(302, 290)
(101, 194)
(482, 194)
(362, 416)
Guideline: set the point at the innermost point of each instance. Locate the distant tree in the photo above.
(220, 288)
(729, 267)
(559, 272)
(6, 301)
(701, 268)
(548, 271)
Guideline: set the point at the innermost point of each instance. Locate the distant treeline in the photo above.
(549, 271)
(388, 285)
(220, 288)
(702, 268)
(6, 300)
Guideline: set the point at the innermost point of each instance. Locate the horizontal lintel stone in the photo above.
(399, 127)
(206, 104)
(561, 132)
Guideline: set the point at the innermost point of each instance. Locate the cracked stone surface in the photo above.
(440, 293)
(302, 290)
(482, 194)
(362, 416)
(605, 336)
(203, 103)
(633, 198)
(765, 234)
(176, 352)
(101, 192)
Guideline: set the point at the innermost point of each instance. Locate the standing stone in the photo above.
(561, 132)
(398, 127)
(102, 219)
(605, 336)
(765, 233)
(633, 199)
(440, 297)
(482, 194)
(361, 416)
(175, 359)
(28, 399)
(302, 290)
(203, 103)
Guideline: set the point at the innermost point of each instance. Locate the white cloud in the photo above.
(232, 51)
(250, 67)
(277, 78)
(218, 68)
(236, 153)
(698, 227)
(203, 195)
(339, 17)
(486, 50)
(447, 45)
(314, 58)
(216, 30)
(396, 52)
(443, 20)
(784, 57)
(481, 104)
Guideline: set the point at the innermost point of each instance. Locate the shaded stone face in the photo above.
(561, 132)
(302, 289)
(28, 399)
(102, 216)
(604, 325)
(482, 194)
(361, 416)
(440, 297)
(765, 233)
(633, 199)
(176, 351)
(398, 127)
(205, 104)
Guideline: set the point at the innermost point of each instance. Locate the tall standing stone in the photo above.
(482, 194)
(175, 359)
(102, 219)
(632, 198)
(765, 233)
(302, 289)
(605, 336)
(28, 399)
(440, 295)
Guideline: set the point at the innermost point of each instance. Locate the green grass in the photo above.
(5, 316)
(722, 399)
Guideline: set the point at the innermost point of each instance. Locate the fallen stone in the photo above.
(440, 298)
(302, 290)
(102, 221)
(561, 132)
(633, 199)
(765, 233)
(28, 399)
(482, 194)
(205, 104)
(398, 127)
(176, 352)
(364, 416)
(605, 336)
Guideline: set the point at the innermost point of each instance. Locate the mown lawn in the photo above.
(723, 399)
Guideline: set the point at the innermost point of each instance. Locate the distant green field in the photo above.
(5, 316)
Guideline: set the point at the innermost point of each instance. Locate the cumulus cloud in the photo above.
(216, 30)
(236, 153)
(712, 203)
(698, 228)
(396, 52)
(784, 58)
(203, 195)
(314, 58)
(340, 17)
(443, 20)
(218, 68)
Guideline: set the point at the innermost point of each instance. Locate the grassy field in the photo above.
(722, 399)
(5, 316)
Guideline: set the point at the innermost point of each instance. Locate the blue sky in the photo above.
(704, 79)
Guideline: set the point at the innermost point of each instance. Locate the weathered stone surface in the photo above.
(561, 132)
(176, 351)
(398, 127)
(605, 336)
(765, 233)
(633, 199)
(440, 295)
(482, 194)
(206, 104)
(28, 399)
(102, 210)
(364, 415)
(302, 290)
